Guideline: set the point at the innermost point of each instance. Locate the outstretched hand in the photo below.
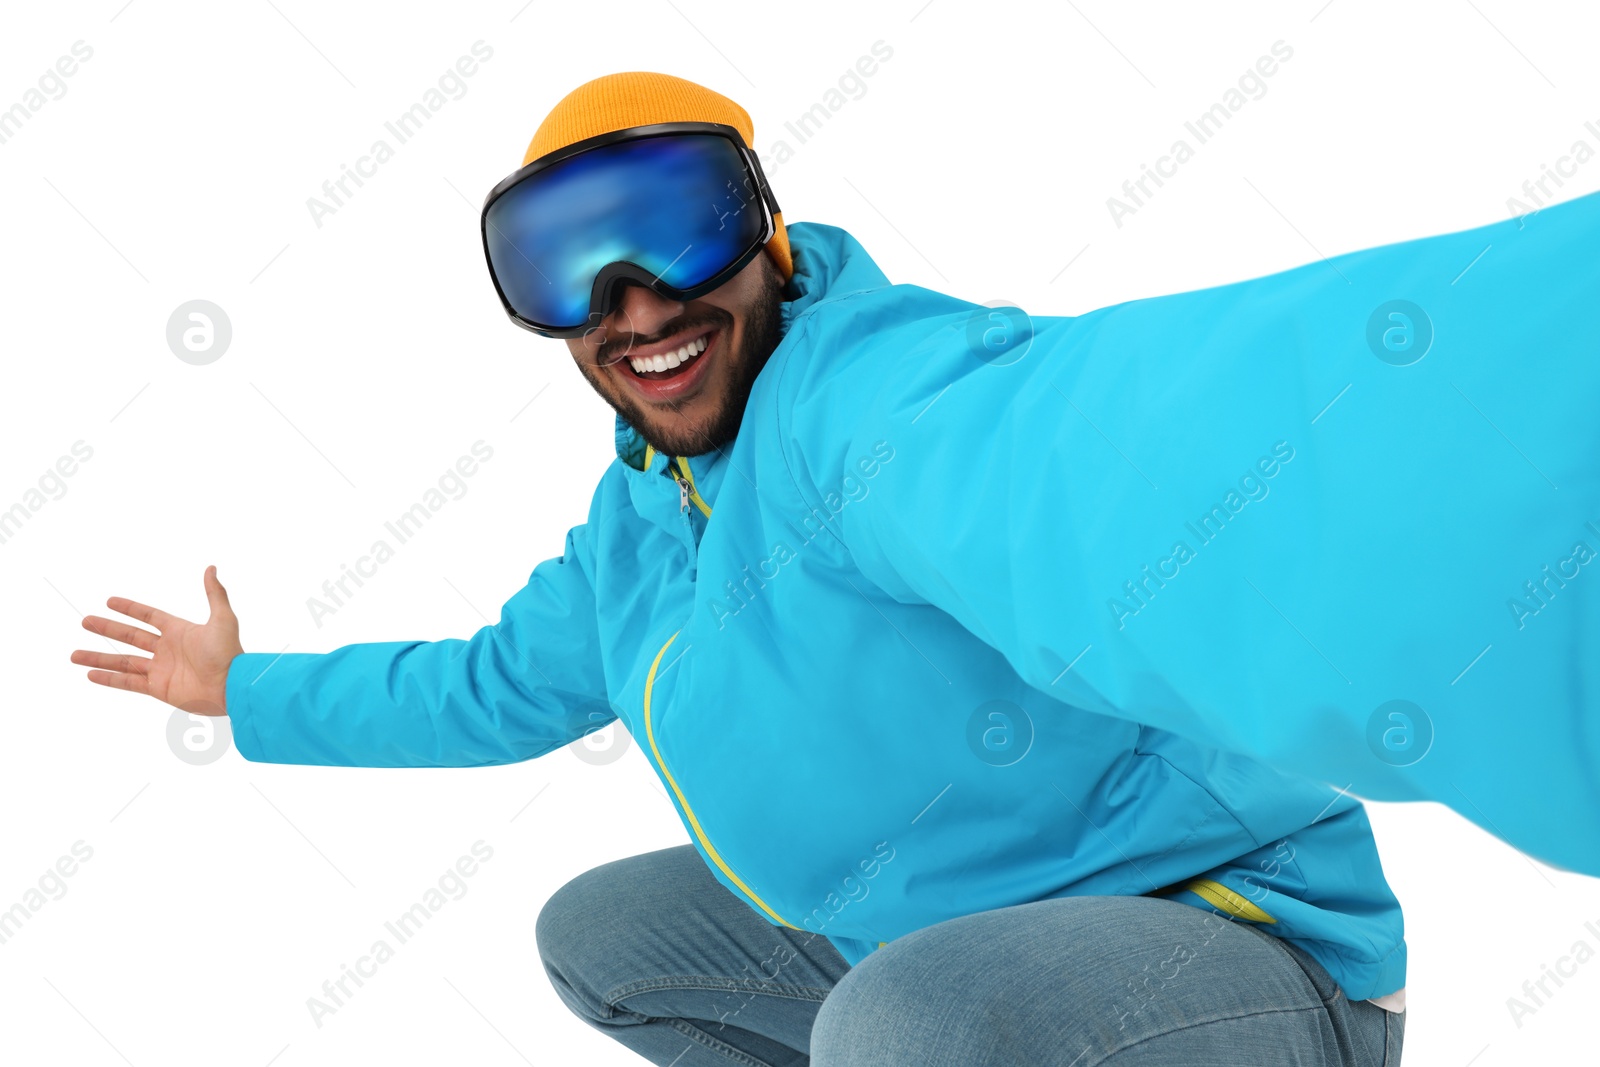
(188, 662)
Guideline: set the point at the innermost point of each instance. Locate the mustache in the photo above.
(616, 349)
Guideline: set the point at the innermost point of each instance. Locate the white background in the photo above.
(370, 352)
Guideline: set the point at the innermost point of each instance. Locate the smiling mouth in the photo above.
(667, 365)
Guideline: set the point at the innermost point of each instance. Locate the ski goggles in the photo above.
(679, 207)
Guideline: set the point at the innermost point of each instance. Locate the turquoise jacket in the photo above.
(980, 609)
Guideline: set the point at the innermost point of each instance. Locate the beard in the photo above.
(674, 434)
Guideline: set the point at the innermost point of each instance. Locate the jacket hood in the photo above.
(828, 264)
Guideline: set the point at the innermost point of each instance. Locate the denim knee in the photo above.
(849, 1025)
(563, 934)
(891, 1008)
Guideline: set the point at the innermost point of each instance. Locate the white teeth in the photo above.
(670, 359)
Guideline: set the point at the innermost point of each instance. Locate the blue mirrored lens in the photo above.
(678, 205)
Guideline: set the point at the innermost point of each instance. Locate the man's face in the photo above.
(696, 406)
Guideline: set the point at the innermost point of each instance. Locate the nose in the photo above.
(641, 312)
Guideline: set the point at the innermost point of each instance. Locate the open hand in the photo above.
(188, 663)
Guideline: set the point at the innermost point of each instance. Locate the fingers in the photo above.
(134, 683)
(143, 612)
(112, 661)
(216, 596)
(116, 670)
(121, 631)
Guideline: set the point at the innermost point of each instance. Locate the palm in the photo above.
(184, 660)
(188, 662)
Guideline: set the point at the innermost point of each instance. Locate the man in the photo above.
(995, 665)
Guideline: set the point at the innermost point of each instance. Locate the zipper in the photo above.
(694, 823)
(687, 493)
(688, 525)
(686, 474)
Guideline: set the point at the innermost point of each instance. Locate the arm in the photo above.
(1224, 514)
(520, 688)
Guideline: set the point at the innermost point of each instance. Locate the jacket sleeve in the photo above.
(520, 688)
(1339, 519)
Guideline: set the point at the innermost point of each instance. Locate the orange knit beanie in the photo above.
(638, 98)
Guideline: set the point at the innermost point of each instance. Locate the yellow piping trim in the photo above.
(1220, 896)
(694, 494)
(705, 842)
(649, 454)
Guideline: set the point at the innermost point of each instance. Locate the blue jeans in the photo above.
(654, 952)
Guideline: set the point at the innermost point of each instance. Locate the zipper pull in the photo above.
(688, 522)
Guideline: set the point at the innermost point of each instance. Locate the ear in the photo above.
(775, 279)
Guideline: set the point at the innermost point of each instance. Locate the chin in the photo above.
(676, 441)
